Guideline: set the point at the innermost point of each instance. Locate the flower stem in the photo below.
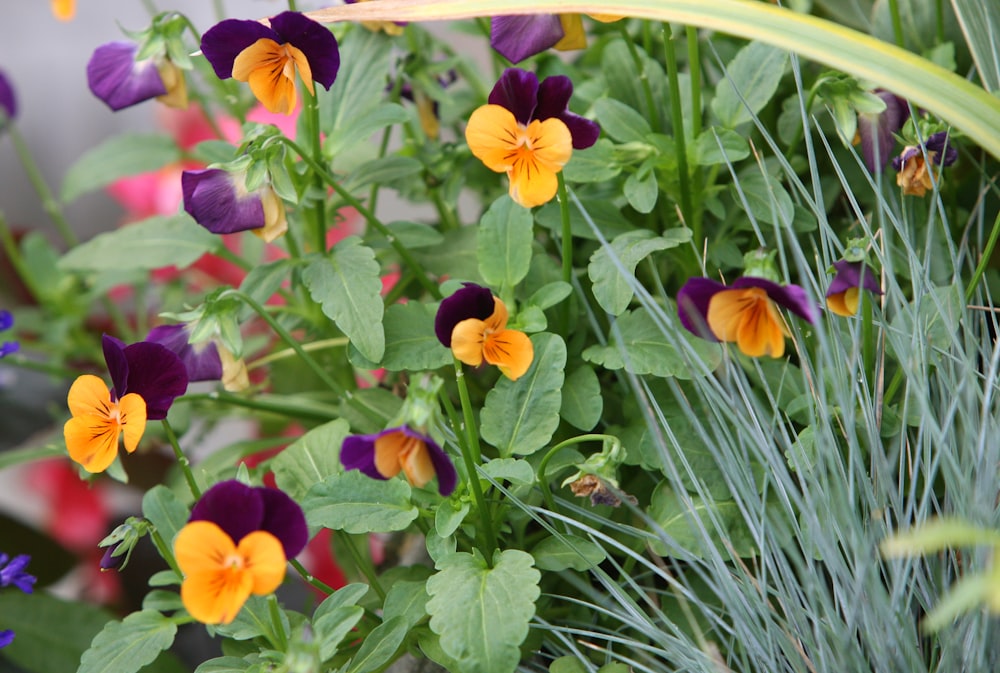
(310, 578)
(182, 460)
(280, 640)
(897, 24)
(364, 564)
(335, 342)
(680, 141)
(472, 455)
(640, 66)
(311, 104)
(164, 550)
(49, 203)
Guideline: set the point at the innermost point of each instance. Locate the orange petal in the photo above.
(533, 173)
(494, 135)
(511, 351)
(761, 332)
(416, 461)
(89, 395)
(844, 303)
(216, 585)
(467, 339)
(64, 10)
(202, 546)
(269, 68)
(387, 450)
(498, 320)
(132, 412)
(92, 441)
(264, 560)
(574, 37)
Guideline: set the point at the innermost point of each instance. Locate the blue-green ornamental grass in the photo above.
(715, 390)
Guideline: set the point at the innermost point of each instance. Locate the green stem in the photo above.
(280, 641)
(364, 564)
(897, 23)
(694, 66)
(182, 460)
(335, 342)
(567, 231)
(289, 410)
(640, 65)
(472, 455)
(680, 141)
(984, 260)
(164, 550)
(14, 255)
(311, 579)
(370, 218)
(311, 102)
(49, 203)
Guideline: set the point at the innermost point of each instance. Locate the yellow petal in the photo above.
(467, 339)
(844, 303)
(494, 135)
(535, 163)
(275, 223)
(416, 461)
(89, 395)
(176, 85)
(132, 412)
(264, 560)
(64, 10)
(92, 441)
(387, 450)
(574, 37)
(511, 351)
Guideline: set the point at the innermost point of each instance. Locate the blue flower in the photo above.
(6, 322)
(12, 573)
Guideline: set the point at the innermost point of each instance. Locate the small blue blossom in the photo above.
(12, 573)
(6, 322)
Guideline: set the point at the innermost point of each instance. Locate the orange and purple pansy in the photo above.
(268, 57)
(527, 131)
(745, 313)
(913, 175)
(237, 542)
(146, 378)
(201, 361)
(521, 36)
(219, 201)
(473, 324)
(842, 297)
(385, 454)
(117, 78)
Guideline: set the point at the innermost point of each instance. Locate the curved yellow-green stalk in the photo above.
(966, 106)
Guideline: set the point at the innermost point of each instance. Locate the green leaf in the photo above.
(513, 470)
(641, 189)
(449, 516)
(38, 647)
(980, 22)
(355, 503)
(263, 281)
(415, 234)
(382, 171)
(679, 518)
(310, 459)
(357, 129)
(612, 268)
(504, 243)
(253, 619)
(641, 345)
(521, 416)
(550, 294)
(565, 552)
(766, 197)
(348, 287)
(621, 122)
(582, 403)
(407, 600)
(606, 216)
(720, 146)
(165, 511)
(410, 341)
(752, 79)
(455, 257)
(482, 613)
(153, 243)
(596, 163)
(379, 646)
(336, 617)
(223, 665)
(118, 157)
(128, 645)
(356, 92)
(566, 664)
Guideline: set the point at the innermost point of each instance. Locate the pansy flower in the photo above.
(8, 101)
(914, 175)
(267, 58)
(237, 542)
(744, 313)
(6, 322)
(219, 201)
(527, 131)
(387, 453)
(519, 37)
(201, 361)
(473, 324)
(146, 378)
(876, 131)
(842, 297)
(117, 78)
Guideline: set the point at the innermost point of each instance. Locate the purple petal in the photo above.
(518, 37)
(114, 358)
(111, 562)
(553, 101)
(792, 297)
(358, 453)
(472, 301)
(117, 79)
(8, 101)
(6, 638)
(314, 40)
(8, 347)
(201, 361)
(516, 90)
(224, 41)
(692, 305)
(13, 574)
(210, 197)
(233, 506)
(6, 320)
(284, 519)
(945, 153)
(156, 375)
(876, 130)
(849, 274)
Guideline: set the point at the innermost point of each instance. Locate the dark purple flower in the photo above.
(6, 322)
(112, 561)
(239, 48)
(519, 37)
(8, 101)
(851, 277)
(914, 175)
(239, 510)
(519, 92)
(387, 453)
(875, 131)
(743, 312)
(219, 201)
(201, 361)
(152, 371)
(119, 80)
(472, 301)
(12, 573)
